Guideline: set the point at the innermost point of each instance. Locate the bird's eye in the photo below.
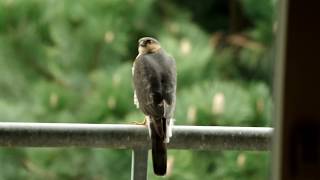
(148, 41)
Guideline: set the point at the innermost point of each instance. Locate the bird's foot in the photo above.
(144, 122)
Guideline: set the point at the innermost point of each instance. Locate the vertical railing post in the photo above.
(139, 165)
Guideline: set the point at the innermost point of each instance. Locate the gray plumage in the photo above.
(154, 79)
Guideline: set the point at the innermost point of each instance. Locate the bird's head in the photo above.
(148, 45)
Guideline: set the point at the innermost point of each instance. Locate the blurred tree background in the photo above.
(70, 61)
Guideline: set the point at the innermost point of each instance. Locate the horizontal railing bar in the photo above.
(121, 136)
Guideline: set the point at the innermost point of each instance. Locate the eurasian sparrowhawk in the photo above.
(154, 80)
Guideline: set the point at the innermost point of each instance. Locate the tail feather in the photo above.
(159, 151)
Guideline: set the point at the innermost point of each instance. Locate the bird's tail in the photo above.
(159, 147)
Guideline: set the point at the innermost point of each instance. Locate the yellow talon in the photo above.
(144, 122)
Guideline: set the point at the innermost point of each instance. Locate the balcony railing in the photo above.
(133, 137)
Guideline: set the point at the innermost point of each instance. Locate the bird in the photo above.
(155, 82)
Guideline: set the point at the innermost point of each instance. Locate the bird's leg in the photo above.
(144, 122)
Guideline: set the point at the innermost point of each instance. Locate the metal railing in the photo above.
(133, 137)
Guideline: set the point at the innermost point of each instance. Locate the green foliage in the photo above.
(260, 13)
(70, 61)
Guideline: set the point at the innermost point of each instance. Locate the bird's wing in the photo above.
(169, 81)
(147, 85)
